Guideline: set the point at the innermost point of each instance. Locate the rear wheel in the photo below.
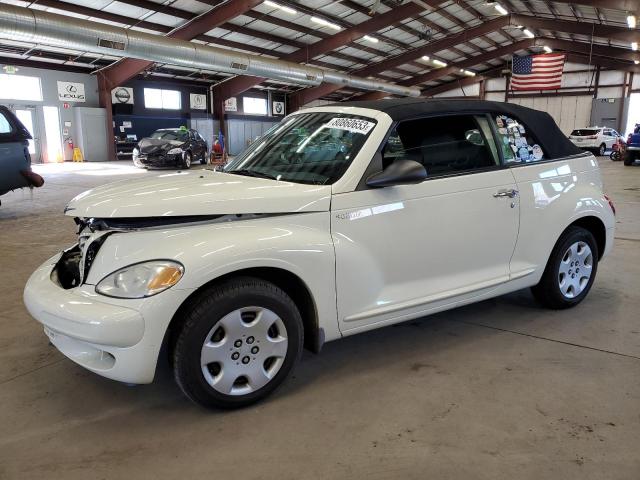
(570, 271)
(601, 149)
(238, 342)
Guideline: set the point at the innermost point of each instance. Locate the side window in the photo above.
(516, 142)
(444, 145)
(5, 126)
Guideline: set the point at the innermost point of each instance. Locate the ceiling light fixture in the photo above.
(468, 72)
(528, 33)
(325, 23)
(370, 39)
(547, 49)
(631, 21)
(634, 45)
(425, 57)
(440, 63)
(636, 62)
(281, 7)
(501, 9)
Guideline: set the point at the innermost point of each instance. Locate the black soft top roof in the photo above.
(540, 124)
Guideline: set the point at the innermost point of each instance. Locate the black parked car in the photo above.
(15, 161)
(171, 147)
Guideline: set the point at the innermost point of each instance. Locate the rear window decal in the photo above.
(518, 146)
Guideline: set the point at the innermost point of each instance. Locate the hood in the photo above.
(198, 192)
(152, 145)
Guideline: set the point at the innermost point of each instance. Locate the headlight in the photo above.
(175, 151)
(141, 279)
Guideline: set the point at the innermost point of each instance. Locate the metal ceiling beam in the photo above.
(580, 28)
(241, 83)
(587, 49)
(156, 27)
(304, 96)
(128, 68)
(626, 5)
(455, 68)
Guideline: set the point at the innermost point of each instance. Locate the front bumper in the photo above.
(157, 160)
(107, 336)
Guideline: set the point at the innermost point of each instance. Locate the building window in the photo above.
(20, 87)
(165, 99)
(254, 106)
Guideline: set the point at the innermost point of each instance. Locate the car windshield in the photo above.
(583, 132)
(181, 135)
(315, 148)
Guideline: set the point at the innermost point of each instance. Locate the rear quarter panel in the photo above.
(552, 196)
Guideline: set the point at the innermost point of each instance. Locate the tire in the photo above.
(186, 160)
(615, 156)
(563, 283)
(629, 158)
(235, 314)
(602, 149)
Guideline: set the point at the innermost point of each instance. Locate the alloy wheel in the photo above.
(575, 269)
(244, 350)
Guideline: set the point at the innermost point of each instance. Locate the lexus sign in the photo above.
(71, 92)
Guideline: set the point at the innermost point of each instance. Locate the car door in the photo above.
(406, 250)
(193, 145)
(14, 153)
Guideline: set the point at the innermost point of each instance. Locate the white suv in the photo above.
(595, 139)
(339, 220)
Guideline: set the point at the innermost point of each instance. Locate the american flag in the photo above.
(537, 72)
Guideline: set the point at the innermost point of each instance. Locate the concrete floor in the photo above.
(499, 390)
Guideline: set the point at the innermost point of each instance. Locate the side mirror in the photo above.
(400, 172)
(474, 136)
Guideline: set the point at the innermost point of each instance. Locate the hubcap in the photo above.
(575, 270)
(187, 160)
(244, 350)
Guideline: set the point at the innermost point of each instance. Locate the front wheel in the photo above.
(615, 156)
(186, 160)
(570, 271)
(238, 342)
(629, 158)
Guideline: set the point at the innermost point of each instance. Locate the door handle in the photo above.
(511, 193)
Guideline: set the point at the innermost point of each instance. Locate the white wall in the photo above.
(569, 111)
(49, 83)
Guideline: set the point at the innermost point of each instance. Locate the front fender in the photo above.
(300, 244)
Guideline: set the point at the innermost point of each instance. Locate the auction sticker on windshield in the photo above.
(353, 125)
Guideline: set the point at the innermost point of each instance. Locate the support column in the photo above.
(104, 97)
(218, 114)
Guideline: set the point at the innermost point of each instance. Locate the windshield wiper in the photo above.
(252, 173)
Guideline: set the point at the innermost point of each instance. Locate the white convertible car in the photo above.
(339, 220)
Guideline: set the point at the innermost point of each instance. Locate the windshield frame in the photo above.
(279, 132)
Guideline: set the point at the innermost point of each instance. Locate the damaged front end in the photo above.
(74, 264)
